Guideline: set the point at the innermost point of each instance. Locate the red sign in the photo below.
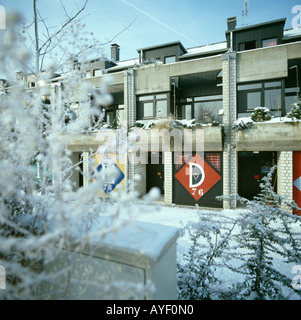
(197, 177)
(297, 180)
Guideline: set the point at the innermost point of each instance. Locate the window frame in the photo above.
(262, 88)
(153, 98)
(168, 57)
(193, 101)
(269, 39)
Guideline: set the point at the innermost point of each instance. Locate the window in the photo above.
(148, 110)
(207, 111)
(202, 109)
(171, 59)
(97, 73)
(152, 106)
(267, 94)
(186, 112)
(161, 109)
(269, 42)
(109, 116)
(247, 45)
(253, 100)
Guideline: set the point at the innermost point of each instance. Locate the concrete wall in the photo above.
(75, 172)
(156, 78)
(270, 137)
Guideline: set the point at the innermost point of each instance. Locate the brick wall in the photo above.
(168, 178)
(86, 168)
(230, 115)
(285, 176)
(129, 97)
(75, 172)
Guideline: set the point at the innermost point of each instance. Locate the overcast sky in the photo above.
(193, 22)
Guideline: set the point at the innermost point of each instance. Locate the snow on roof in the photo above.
(292, 32)
(215, 47)
(124, 64)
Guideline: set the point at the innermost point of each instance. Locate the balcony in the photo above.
(270, 136)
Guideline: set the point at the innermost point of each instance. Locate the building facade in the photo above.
(194, 97)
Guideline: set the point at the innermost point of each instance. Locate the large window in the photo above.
(202, 109)
(266, 94)
(153, 106)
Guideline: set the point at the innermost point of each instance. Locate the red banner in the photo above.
(297, 180)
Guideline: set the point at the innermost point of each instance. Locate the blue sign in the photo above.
(114, 176)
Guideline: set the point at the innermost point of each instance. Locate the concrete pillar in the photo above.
(168, 177)
(230, 115)
(75, 173)
(285, 177)
(129, 97)
(140, 184)
(129, 116)
(86, 168)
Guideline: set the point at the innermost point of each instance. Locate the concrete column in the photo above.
(135, 174)
(140, 184)
(129, 97)
(285, 176)
(129, 114)
(168, 177)
(230, 115)
(75, 173)
(86, 170)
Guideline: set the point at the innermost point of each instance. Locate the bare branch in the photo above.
(63, 26)
(125, 28)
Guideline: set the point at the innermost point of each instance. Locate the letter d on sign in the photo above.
(191, 173)
(2, 278)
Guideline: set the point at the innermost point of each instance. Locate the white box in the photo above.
(119, 266)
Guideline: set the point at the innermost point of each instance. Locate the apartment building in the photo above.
(201, 92)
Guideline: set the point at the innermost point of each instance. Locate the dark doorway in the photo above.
(155, 172)
(203, 195)
(252, 167)
(81, 171)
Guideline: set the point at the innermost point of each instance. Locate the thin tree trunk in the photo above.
(36, 37)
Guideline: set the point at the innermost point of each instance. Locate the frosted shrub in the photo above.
(243, 124)
(247, 246)
(40, 218)
(295, 112)
(261, 114)
(266, 232)
(197, 278)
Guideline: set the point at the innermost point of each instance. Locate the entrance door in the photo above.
(198, 179)
(297, 179)
(155, 172)
(252, 167)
